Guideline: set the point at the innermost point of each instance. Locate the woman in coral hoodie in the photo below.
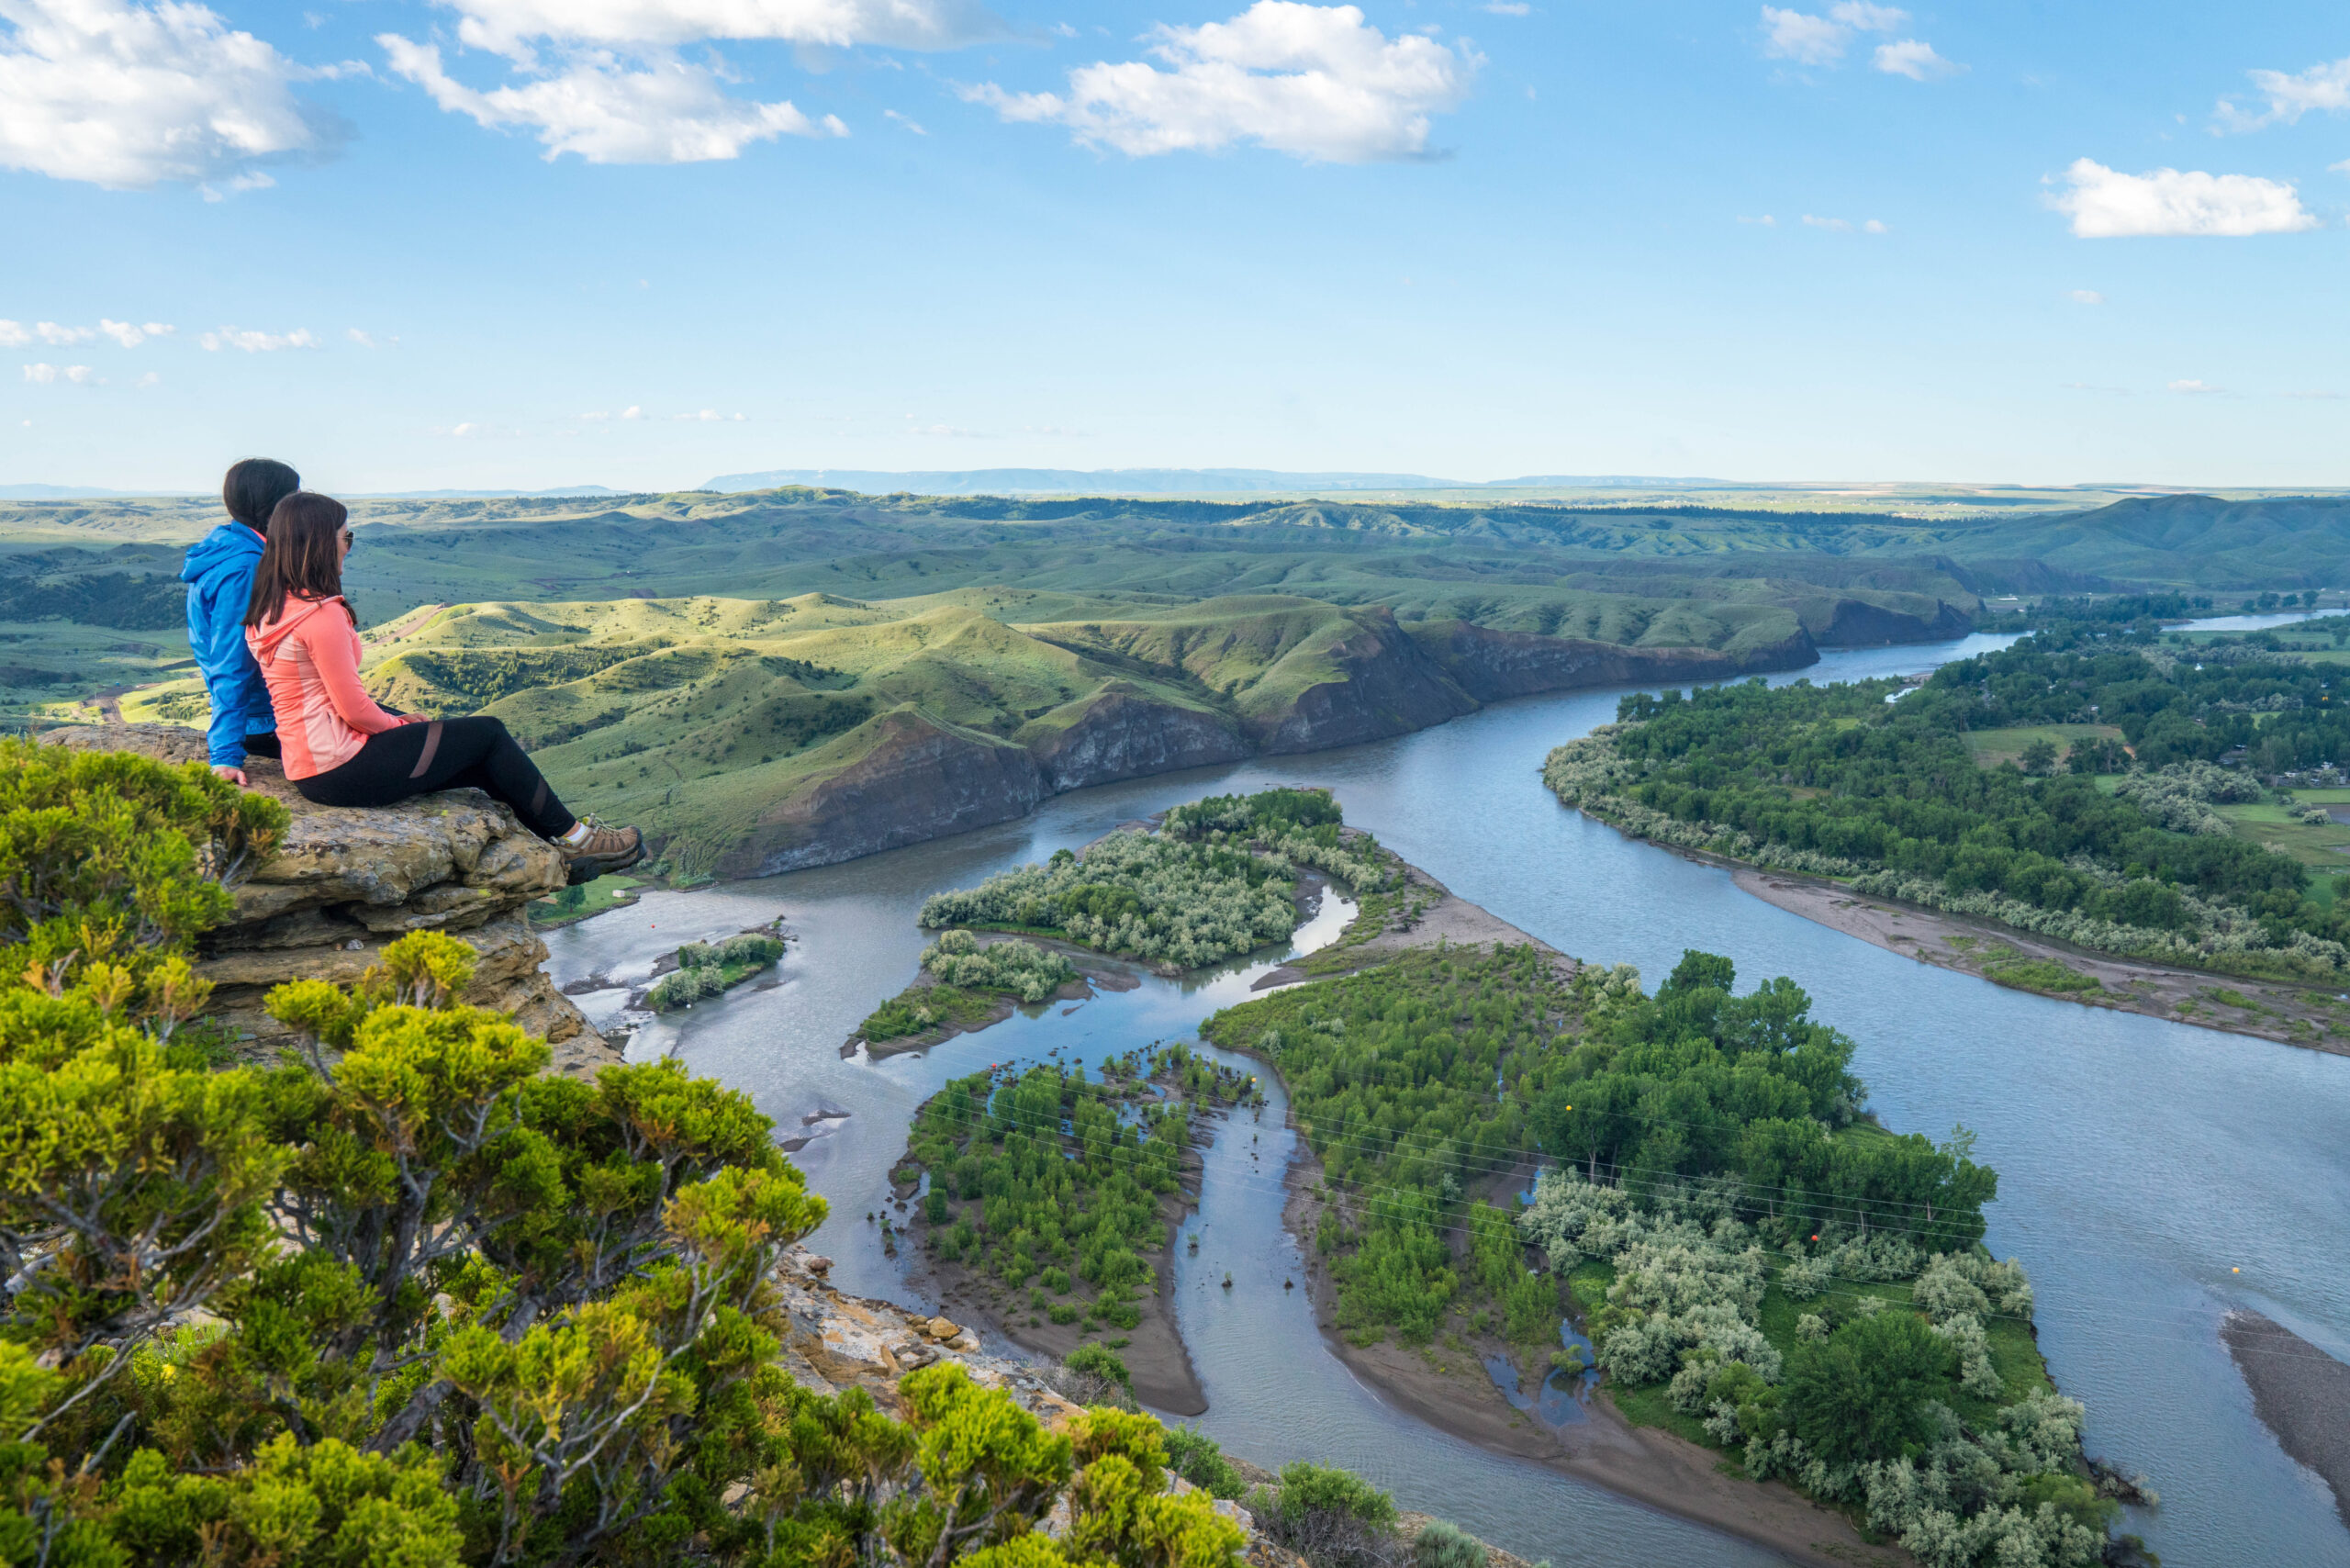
(340, 748)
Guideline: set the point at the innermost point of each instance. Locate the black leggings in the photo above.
(447, 754)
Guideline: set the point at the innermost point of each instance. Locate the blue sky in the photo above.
(639, 242)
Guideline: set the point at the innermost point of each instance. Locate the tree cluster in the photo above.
(1053, 1177)
(1838, 781)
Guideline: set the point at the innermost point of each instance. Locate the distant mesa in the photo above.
(1156, 481)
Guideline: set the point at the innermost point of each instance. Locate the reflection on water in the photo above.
(2141, 1161)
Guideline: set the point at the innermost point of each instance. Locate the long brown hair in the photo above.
(302, 556)
(253, 487)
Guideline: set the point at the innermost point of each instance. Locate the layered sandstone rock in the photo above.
(1491, 664)
(323, 902)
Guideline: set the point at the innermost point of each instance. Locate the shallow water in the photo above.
(2152, 1174)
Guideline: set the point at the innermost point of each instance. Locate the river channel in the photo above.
(2151, 1174)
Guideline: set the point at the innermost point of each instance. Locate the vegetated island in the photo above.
(1053, 1199)
(1215, 879)
(2101, 816)
(1779, 1289)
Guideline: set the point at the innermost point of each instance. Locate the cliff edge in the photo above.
(344, 882)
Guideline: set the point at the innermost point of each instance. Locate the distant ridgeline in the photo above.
(2066, 785)
(788, 676)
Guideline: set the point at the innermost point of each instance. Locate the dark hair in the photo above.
(253, 488)
(301, 558)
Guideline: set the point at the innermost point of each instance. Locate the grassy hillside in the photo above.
(698, 716)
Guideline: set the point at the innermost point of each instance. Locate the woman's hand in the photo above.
(416, 718)
(233, 775)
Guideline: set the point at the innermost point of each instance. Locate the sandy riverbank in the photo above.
(2294, 1015)
(2300, 1393)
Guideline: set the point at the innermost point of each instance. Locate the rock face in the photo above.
(1489, 665)
(1385, 685)
(1856, 623)
(921, 780)
(323, 902)
(1124, 735)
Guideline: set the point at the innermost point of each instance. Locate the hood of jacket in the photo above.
(265, 639)
(230, 545)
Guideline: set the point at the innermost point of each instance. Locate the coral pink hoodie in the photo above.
(312, 663)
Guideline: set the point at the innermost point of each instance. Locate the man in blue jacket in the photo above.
(219, 578)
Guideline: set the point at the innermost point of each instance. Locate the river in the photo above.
(2151, 1174)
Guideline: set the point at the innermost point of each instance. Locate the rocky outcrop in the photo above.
(1384, 684)
(1124, 734)
(915, 780)
(1489, 665)
(323, 902)
(833, 1341)
(1856, 623)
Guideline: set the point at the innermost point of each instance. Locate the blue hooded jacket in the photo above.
(219, 578)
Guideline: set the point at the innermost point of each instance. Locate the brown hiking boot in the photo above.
(607, 849)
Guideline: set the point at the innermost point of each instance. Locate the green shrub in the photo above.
(1442, 1545)
(1198, 1459)
(1027, 970)
(1103, 1362)
(751, 949)
(1063, 1312)
(1332, 1518)
(537, 1334)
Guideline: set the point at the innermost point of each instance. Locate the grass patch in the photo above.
(2275, 827)
(2004, 966)
(922, 1007)
(1993, 747)
(606, 892)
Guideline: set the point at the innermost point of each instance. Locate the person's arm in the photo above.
(224, 738)
(335, 652)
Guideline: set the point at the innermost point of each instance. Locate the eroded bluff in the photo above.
(322, 903)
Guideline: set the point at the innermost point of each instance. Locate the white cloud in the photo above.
(80, 375)
(258, 342)
(1318, 82)
(1874, 225)
(124, 95)
(1915, 59)
(131, 334)
(668, 112)
(1808, 41)
(616, 93)
(2085, 297)
(2107, 205)
(511, 26)
(1508, 8)
(1869, 18)
(1841, 225)
(2290, 95)
(41, 373)
(1767, 221)
(2195, 388)
(50, 332)
(1821, 40)
(13, 335)
(910, 125)
(151, 379)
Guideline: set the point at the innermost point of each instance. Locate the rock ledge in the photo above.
(344, 883)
